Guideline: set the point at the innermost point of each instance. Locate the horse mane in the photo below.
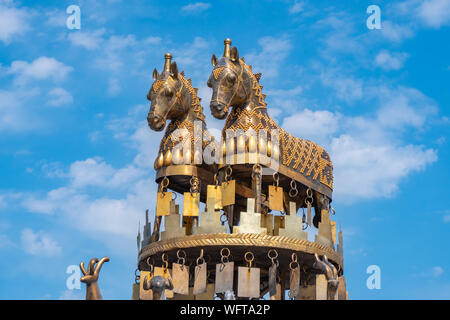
(256, 87)
(195, 101)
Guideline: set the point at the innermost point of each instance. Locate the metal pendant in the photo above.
(224, 277)
(248, 282)
(200, 278)
(191, 204)
(180, 278)
(145, 276)
(276, 198)
(273, 280)
(277, 295)
(163, 203)
(294, 282)
(216, 193)
(228, 192)
(308, 213)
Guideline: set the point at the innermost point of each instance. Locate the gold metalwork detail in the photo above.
(217, 71)
(157, 85)
(238, 239)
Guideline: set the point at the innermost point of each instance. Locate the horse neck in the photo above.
(194, 112)
(255, 98)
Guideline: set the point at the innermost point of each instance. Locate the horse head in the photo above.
(168, 97)
(231, 81)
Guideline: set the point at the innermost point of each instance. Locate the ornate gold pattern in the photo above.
(217, 71)
(157, 85)
(238, 239)
(302, 155)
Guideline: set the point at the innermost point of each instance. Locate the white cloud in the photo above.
(435, 13)
(5, 242)
(395, 32)
(268, 60)
(387, 61)
(347, 88)
(58, 97)
(364, 170)
(437, 271)
(89, 40)
(369, 154)
(96, 172)
(41, 68)
(14, 111)
(39, 243)
(114, 87)
(194, 8)
(296, 7)
(316, 126)
(13, 22)
(56, 18)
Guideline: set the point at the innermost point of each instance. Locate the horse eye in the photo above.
(168, 92)
(231, 78)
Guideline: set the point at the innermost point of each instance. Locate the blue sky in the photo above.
(76, 155)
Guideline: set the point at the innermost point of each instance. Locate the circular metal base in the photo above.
(238, 244)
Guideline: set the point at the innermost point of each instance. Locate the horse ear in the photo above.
(155, 74)
(214, 60)
(174, 70)
(234, 55)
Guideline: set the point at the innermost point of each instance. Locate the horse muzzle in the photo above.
(218, 110)
(155, 122)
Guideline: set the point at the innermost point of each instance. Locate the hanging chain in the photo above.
(309, 196)
(276, 179)
(294, 261)
(293, 192)
(163, 185)
(181, 255)
(228, 173)
(224, 258)
(195, 183)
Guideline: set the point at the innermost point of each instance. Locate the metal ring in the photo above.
(164, 183)
(179, 256)
(222, 250)
(309, 193)
(293, 193)
(200, 257)
(293, 184)
(276, 254)
(294, 257)
(249, 260)
(276, 177)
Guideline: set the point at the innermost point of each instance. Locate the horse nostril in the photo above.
(216, 106)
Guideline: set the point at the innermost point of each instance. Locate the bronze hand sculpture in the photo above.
(91, 278)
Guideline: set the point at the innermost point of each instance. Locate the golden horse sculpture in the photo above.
(234, 85)
(173, 98)
(90, 278)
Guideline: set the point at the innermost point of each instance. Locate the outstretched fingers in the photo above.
(82, 268)
(100, 264)
(91, 265)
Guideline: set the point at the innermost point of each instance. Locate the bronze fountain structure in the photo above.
(249, 242)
